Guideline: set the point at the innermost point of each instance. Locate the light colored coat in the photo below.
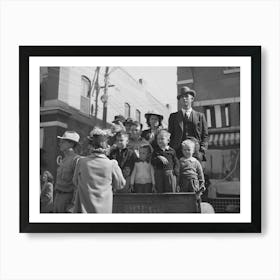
(95, 177)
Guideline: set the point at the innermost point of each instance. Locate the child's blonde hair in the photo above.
(188, 143)
(164, 132)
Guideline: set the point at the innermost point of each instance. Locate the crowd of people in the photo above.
(126, 159)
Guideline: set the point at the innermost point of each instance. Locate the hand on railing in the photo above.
(200, 191)
(131, 188)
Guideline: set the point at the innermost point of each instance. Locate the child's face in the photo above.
(187, 150)
(143, 153)
(127, 128)
(122, 141)
(135, 131)
(162, 140)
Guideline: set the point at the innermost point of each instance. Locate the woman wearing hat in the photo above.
(96, 176)
(154, 121)
(64, 187)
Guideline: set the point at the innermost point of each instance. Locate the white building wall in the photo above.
(125, 89)
(128, 90)
(63, 84)
(70, 84)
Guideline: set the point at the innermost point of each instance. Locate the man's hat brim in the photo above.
(191, 92)
(68, 139)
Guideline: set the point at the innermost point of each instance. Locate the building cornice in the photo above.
(54, 113)
(184, 82)
(53, 123)
(232, 70)
(216, 101)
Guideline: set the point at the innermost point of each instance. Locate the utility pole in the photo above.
(95, 88)
(93, 84)
(104, 97)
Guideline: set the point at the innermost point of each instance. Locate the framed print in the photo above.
(140, 138)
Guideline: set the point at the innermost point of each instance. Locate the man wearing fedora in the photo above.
(64, 187)
(188, 124)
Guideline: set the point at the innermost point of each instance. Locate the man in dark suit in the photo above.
(188, 124)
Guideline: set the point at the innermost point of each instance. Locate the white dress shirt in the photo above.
(187, 112)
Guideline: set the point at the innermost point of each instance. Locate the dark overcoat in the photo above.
(175, 127)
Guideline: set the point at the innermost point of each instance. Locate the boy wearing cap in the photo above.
(117, 126)
(64, 187)
(127, 124)
(188, 123)
(135, 139)
(125, 157)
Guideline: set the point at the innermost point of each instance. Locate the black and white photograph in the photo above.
(160, 136)
(140, 139)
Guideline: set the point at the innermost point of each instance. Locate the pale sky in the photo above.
(160, 81)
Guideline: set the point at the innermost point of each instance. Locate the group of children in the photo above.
(157, 169)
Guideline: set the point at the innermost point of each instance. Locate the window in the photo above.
(227, 115)
(41, 138)
(85, 90)
(85, 94)
(218, 116)
(126, 110)
(210, 116)
(230, 70)
(225, 112)
(138, 115)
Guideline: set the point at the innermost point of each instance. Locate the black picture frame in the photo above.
(254, 52)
